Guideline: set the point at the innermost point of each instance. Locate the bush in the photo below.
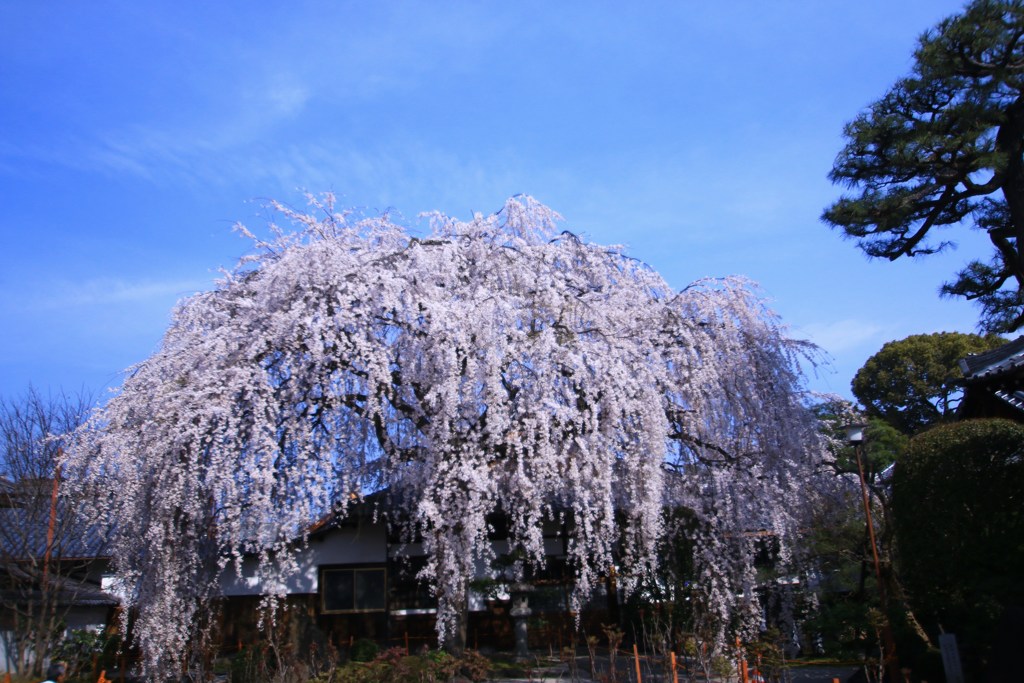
(474, 666)
(250, 665)
(363, 650)
(78, 649)
(394, 666)
(958, 503)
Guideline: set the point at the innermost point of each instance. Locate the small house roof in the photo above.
(25, 522)
(1006, 359)
(998, 373)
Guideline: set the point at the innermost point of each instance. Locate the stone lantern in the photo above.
(520, 612)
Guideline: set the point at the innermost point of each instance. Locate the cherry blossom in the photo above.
(494, 364)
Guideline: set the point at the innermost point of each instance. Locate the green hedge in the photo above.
(958, 504)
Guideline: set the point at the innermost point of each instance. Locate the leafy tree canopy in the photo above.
(882, 446)
(491, 365)
(945, 146)
(913, 383)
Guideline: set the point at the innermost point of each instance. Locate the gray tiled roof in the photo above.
(999, 372)
(1004, 359)
(24, 534)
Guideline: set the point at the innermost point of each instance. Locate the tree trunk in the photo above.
(455, 637)
(1010, 141)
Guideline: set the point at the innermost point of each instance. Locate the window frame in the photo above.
(353, 569)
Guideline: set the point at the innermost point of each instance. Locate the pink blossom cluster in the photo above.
(494, 364)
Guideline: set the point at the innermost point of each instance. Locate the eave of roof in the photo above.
(991, 364)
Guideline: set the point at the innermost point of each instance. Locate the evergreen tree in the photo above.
(957, 495)
(945, 147)
(916, 382)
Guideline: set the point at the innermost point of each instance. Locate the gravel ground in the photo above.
(808, 674)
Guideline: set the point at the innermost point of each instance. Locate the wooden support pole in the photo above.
(742, 663)
(636, 658)
(675, 673)
(48, 549)
(890, 661)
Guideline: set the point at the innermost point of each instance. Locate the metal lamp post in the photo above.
(855, 436)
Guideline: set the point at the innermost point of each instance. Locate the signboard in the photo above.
(951, 658)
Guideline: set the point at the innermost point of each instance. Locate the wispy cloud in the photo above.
(288, 99)
(229, 97)
(174, 147)
(843, 336)
(112, 291)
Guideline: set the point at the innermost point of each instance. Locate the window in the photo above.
(409, 595)
(353, 589)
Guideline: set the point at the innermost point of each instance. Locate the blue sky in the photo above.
(133, 135)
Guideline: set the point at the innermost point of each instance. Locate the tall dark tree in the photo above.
(945, 147)
(915, 382)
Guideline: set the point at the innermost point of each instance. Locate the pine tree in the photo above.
(945, 147)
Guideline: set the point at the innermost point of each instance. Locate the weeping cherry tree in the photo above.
(491, 365)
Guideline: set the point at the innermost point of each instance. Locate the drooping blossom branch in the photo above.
(495, 364)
